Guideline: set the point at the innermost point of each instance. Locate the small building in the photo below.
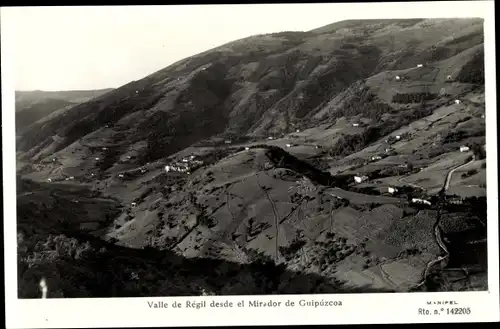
(355, 124)
(120, 176)
(288, 145)
(360, 179)
(185, 160)
(104, 148)
(53, 160)
(420, 65)
(247, 148)
(398, 77)
(457, 101)
(420, 201)
(270, 137)
(482, 116)
(49, 180)
(143, 170)
(227, 142)
(297, 131)
(398, 137)
(455, 200)
(72, 177)
(168, 168)
(392, 190)
(464, 148)
(376, 157)
(448, 77)
(191, 157)
(133, 204)
(129, 157)
(97, 159)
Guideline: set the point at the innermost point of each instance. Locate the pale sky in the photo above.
(67, 48)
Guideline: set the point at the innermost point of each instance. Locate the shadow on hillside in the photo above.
(124, 272)
(77, 264)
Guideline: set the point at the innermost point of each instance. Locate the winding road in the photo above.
(437, 228)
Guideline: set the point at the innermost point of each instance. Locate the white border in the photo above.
(357, 308)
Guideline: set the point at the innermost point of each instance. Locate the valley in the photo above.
(345, 159)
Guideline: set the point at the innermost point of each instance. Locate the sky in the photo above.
(82, 48)
(68, 48)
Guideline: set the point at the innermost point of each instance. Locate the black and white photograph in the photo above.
(196, 151)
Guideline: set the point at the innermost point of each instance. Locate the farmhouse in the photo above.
(420, 201)
(392, 190)
(464, 148)
(455, 200)
(360, 179)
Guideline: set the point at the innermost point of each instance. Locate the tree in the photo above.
(479, 151)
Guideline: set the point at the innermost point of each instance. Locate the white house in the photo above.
(416, 200)
(392, 190)
(167, 168)
(120, 176)
(191, 157)
(464, 148)
(376, 157)
(97, 159)
(355, 124)
(457, 101)
(270, 137)
(247, 148)
(360, 179)
(420, 65)
(185, 160)
(297, 131)
(288, 145)
(398, 137)
(398, 77)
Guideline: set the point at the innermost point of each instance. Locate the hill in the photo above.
(250, 151)
(32, 106)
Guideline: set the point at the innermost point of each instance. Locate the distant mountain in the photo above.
(308, 151)
(32, 106)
